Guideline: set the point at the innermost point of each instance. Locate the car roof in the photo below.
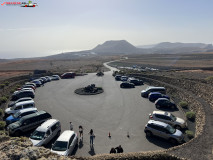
(25, 102)
(154, 93)
(162, 113)
(45, 126)
(32, 115)
(65, 136)
(158, 123)
(25, 98)
(162, 99)
(27, 110)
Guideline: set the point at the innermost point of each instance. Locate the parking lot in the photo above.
(118, 111)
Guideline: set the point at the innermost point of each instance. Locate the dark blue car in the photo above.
(153, 96)
(18, 115)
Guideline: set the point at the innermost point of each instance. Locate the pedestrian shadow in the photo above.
(81, 144)
(92, 151)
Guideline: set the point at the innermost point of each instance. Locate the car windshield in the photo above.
(170, 129)
(37, 135)
(173, 117)
(15, 115)
(60, 146)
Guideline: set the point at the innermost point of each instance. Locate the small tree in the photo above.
(183, 104)
(190, 115)
(2, 125)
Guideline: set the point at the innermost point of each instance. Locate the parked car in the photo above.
(145, 93)
(44, 79)
(37, 82)
(118, 77)
(153, 96)
(136, 82)
(30, 83)
(20, 105)
(29, 86)
(127, 85)
(19, 100)
(65, 143)
(124, 78)
(164, 103)
(169, 118)
(46, 132)
(68, 75)
(25, 89)
(28, 123)
(48, 78)
(18, 115)
(22, 94)
(163, 130)
(55, 77)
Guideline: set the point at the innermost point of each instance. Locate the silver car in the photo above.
(163, 130)
(169, 118)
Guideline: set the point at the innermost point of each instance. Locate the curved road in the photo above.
(117, 111)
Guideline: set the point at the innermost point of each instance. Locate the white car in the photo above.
(20, 105)
(46, 132)
(19, 100)
(55, 77)
(65, 143)
(169, 118)
(163, 130)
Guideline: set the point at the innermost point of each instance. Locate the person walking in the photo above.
(71, 126)
(91, 136)
(81, 131)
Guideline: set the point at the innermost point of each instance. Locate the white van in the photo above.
(65, 144)
(46, 132)
(20, 105)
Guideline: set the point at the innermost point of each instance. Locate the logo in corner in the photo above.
(29, 4)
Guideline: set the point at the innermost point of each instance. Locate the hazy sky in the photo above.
(56, 26)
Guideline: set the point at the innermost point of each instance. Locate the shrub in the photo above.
(209, 79)
(190, 134)
(183, 104)
(190, 115)
(2, 125)
(12, 90)
(3, 99)
(2, 86)
(6, 83)
(1, 112)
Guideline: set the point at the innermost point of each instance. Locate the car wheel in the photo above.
(173, 141)
(178, 127)
(17, 133)
(157, 106)
(148, 134)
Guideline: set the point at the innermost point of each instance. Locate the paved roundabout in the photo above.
(118, 111)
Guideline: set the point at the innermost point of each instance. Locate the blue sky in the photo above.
(68, 25)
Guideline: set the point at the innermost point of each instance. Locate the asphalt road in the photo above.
(117, 111)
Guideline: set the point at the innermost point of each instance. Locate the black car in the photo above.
(118, 77)
(22, 94)
(164, 103)
(136, 82)
(127, 85)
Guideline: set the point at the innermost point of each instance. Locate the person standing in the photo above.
(119, 149)
(91, 136)
(71, 126)
(81, 131)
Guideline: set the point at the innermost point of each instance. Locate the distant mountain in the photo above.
(169, 45)
(116, 47)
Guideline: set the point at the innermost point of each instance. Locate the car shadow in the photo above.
(75, 150)
(160, 142)
(92, 151)
(168, 109)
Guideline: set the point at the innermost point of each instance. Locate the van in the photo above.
(28, 123)
(18, 115)
(145, 93)
(20, 105)
(65, 143)
(46, 132)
